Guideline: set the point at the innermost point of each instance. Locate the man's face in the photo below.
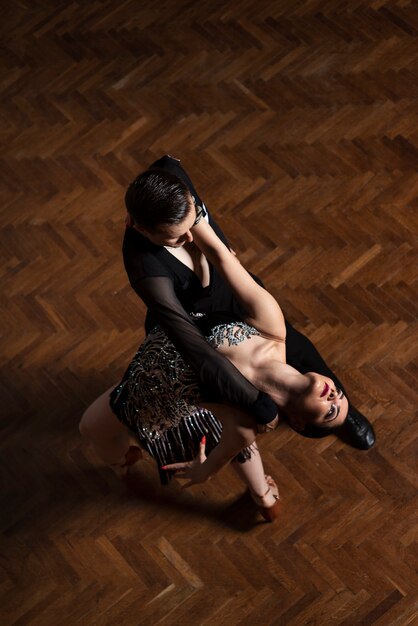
(172, 235)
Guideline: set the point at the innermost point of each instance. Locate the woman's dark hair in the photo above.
(156, 197)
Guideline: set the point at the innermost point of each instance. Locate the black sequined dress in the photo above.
(159, 395)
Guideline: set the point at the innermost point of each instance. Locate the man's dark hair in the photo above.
(156, 197)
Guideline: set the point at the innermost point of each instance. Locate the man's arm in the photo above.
(221, 380)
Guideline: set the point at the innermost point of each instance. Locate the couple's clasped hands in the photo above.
(193, 470)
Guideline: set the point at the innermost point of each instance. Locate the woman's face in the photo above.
(323, 404)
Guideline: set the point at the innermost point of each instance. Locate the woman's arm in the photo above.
(263, 311)
(238, 432)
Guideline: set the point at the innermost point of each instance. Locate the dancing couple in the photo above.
(219, 362)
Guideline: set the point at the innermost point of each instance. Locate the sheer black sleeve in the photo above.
(219, 379)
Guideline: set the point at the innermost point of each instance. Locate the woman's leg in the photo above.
(251, 472)
(109, 437)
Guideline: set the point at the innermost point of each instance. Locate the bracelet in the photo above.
(200, 212)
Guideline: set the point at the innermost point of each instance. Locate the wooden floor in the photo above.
(297, 120)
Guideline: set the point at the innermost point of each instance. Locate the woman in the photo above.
(160, 401)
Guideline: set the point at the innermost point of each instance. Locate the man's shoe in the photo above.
(357, 430)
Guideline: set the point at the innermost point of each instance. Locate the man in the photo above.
(176, 282)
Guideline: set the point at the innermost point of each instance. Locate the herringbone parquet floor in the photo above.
(298, 123)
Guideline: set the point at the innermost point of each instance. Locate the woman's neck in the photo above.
(280, 380)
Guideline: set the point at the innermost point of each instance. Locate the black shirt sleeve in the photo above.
(219, 378)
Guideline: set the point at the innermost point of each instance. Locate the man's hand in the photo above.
(266, 428)
(192, 469)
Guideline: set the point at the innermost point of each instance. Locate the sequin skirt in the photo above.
(158, 398)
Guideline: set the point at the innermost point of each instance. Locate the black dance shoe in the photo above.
(357, 431)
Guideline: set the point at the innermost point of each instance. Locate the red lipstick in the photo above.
(325, 390)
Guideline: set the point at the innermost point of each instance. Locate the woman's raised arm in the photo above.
(263, 311)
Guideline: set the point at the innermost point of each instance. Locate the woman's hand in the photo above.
(193, 470)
